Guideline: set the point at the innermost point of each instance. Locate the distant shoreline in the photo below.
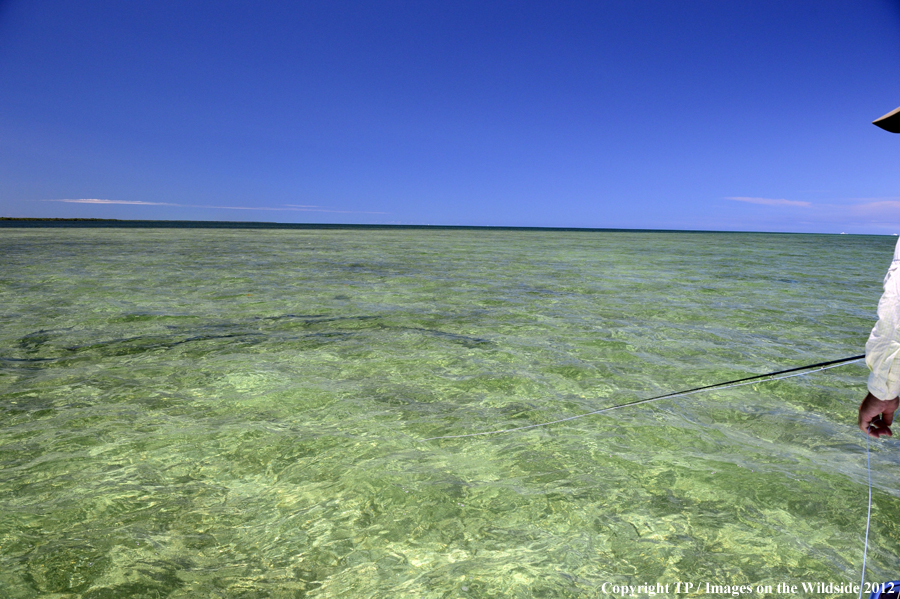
(12, 222)
(8, 221)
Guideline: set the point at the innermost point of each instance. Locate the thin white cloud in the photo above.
(96, 201)
(879, 208)
(850, 214)
(770, 201)
(283, 208)
(234, 207)
(318, 209)
(880, 205)
(287, 208)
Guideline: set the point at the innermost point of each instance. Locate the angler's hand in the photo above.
(879, 414)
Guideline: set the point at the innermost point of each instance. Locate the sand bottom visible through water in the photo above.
(241, 413)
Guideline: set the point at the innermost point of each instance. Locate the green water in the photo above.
(239, 413)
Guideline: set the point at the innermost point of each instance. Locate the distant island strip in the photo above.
(9, 222)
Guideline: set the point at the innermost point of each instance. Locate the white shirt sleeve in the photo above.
(883, 347)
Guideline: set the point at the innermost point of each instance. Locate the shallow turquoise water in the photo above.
(239, 413)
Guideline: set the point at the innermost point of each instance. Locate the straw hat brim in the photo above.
(890, 121)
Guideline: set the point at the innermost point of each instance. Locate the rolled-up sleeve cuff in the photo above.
(878, 388)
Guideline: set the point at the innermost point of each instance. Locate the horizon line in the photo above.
(5, 221)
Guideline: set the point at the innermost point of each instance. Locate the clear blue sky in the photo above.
(725, 115)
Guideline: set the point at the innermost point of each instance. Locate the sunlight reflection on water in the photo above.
(239, 413)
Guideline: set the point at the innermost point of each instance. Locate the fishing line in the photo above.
(868, 517)
(750, 380)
